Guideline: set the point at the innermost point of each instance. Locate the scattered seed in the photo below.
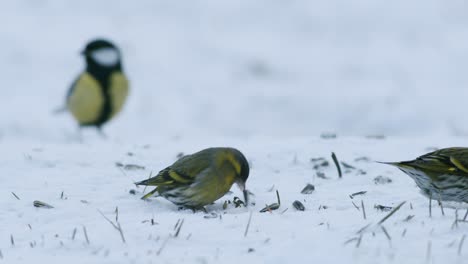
(238, 202)
(365, 159)
(273, 206)
(383, 207)
(308, 189)
(321, 175)
(211, 215)
(391, 212)
(357, 193)
(347, 166)
(40, 204)
(319, 162)
(133, 167)
(379, 137)
(382, 180)
(328, 135)
(298, 205)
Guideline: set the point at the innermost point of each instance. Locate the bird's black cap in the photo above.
(98, 44)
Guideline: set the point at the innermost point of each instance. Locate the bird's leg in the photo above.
(101, 132)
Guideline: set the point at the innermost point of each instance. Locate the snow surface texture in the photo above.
(267, 77)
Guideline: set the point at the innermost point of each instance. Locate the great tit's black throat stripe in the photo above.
(103, 75)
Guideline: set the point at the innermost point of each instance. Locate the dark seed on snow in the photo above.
(298, 205)
(308, 189)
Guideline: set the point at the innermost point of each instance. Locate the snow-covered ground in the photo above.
(267, 77)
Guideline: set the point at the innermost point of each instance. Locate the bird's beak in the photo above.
(83, 53)
(241, 185)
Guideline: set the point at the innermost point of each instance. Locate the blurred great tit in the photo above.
(98, 93)
(201, 178)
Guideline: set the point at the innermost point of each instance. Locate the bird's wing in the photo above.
(71, 88)
(443, 160)
(182, 172)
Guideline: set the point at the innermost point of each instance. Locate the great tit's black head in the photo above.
(102, 53)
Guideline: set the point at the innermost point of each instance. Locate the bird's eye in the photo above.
(106, 56)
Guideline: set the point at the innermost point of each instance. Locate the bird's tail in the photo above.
(146, 196)
(144, 182)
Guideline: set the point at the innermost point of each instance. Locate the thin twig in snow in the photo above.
(355, 206)
(248, 224)
(386, 233)
(391, 213)
(359, 241)
(86, 235)
(117, 226)
(441, 207)
(74, 234)
(461, 245)
(162, 246)
(178, 229)
(363, 210)
(337, 164)
(16, 196)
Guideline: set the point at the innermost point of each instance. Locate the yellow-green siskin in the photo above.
(98, 93)
(201, 178)
(441, 175)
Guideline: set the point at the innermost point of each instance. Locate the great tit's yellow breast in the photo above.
(118, 91)
(86, 99)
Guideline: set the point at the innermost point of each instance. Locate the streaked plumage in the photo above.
(442, 174)
(199, 179)
(99, 93)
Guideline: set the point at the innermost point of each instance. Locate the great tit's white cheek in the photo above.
(106, 56)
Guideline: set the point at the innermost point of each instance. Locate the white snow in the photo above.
(266, 77)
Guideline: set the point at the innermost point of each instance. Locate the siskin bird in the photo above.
(441, 175)
(201, 178)
(98, 93)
